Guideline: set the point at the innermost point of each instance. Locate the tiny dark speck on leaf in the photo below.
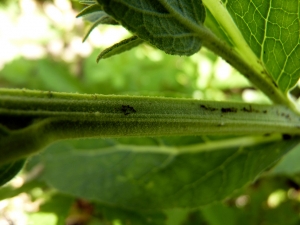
(275, 84)
(127, 109)
(49, 94)
(208, 108)
(251, 110)
(293, 184)
(226, 110)
(286, 137)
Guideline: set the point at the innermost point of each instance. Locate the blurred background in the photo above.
(41, 48)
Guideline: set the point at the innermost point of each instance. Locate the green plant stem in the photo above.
(32, 120)
(248, 65)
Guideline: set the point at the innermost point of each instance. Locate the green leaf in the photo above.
(125, 216)
(3, 131)
(98, 18)
(120, 47)
(9, 191)
(87, 2)
(152, 22)
(10, 170)
(216, 28)
(252, 205)
(289, 165)
(46, 76)
(158, 176)
(176, 27)
(59, 205)
(194, 217)
(89, 9)
(271, 28)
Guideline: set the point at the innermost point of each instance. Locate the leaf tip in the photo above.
(100, 56)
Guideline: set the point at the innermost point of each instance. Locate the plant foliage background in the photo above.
(104, 181)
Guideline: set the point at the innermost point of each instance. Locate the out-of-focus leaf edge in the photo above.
(10, 170)
(105, 19)
(120, 47)
(87, 2)
(89, 9)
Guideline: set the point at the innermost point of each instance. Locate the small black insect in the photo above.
(208, 108)
(286, 137)
(127, 109)
(251, 110)
(226, 110)
(49, 94)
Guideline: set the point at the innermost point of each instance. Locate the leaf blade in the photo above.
(10, 170)
(271, 28)
(153, 177)
(120, 47)
(152, 22)
(89, 9)
(98, 18)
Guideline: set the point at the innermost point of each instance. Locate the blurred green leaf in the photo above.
(42, 74)
(59, 205)
(99, 17)
(43, 218)
(111, 215)
(159, 76)
(9, 191)
(190, 178)
(176, 216)
(252, 206)
(87, 2)
(9, 171)
(89, 9)
(290, 164)
(194, 217)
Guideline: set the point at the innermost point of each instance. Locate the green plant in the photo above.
(258, 38)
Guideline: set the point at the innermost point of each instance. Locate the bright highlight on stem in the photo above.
(33, 119)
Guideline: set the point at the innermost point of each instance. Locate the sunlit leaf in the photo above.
(271, 28)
